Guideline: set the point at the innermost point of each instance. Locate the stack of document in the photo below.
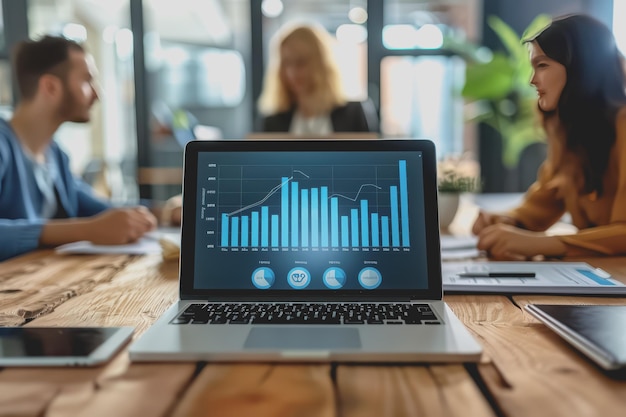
(529, 278)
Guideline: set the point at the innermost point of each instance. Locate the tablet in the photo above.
(60, 346)
(596, 330)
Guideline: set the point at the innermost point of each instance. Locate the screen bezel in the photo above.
(101, 354)
(187, 257)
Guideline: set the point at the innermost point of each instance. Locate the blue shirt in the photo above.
(22, 200)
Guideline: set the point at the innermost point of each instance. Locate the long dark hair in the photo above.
(594, 91)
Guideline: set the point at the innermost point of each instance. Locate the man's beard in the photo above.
(70, 109)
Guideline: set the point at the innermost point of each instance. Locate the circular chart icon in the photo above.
(334, 278)
(370, 278)
(299, 278)
(263, 278)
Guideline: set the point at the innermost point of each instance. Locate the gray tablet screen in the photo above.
(51, 342)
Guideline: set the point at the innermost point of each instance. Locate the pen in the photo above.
(496, 274)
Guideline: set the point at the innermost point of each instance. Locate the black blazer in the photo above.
(354, 116)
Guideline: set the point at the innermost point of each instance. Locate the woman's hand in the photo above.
(486, 219)
(506, 242)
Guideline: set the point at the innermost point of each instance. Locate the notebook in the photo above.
(596, 330)
(309, 250)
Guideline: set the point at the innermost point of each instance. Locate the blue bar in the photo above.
(284, 212)
(354, 214)
(315, 221)
(244, 231)
(304, 206)
(384, 230)
(404, 205)
(365, 232)
(274, 230)
(255, 229)
(224, 230)
(375, 237)
(234, 232)
(345, 232)
(594, 277)
(265, 227)
(334, 222)
(294, 215)
(324, 216)
(395, 223)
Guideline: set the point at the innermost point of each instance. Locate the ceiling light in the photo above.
(357, 15)
(272, 8)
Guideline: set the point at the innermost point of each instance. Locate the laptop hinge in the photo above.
(305, 299)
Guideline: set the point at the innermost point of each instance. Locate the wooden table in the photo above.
(526, 369)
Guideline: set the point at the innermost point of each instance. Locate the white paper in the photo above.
(459, 247)
(456, 254)
(146, 245)
(458, 242)
(171, 234)
(143, 246)
(550, 278)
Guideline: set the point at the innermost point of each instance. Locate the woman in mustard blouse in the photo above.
(580, 82)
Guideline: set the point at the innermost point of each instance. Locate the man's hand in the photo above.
(111, 227)
(506, 242)
(171, 215)
(120, 225)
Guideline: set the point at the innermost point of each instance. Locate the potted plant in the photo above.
(454, 176)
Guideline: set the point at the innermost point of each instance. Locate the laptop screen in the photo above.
(309, 218)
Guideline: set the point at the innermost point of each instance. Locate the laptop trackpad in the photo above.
(308, 338)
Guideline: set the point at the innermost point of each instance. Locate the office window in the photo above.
(420, 99)
(6, 96)
(420, 77)
(195, 62)
(2, 39)
(196, 74)
(619, 30)
(409, 23)
(191, 76)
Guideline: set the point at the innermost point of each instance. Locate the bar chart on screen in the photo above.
(307, 207)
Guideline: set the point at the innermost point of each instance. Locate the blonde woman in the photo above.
(303, 94)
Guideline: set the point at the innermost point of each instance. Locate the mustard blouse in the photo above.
(601, 220)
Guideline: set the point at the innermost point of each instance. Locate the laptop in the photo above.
(309, 250)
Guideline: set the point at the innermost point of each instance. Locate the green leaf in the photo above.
(509, 38)
(518, 52)
(538, 24)
(491, 81)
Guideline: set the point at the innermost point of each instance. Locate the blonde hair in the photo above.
(328, 88)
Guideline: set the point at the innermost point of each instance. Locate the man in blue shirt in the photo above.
(41, 203)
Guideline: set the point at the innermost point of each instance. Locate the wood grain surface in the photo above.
(525, 370)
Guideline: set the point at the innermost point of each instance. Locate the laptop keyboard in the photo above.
(306, 313)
